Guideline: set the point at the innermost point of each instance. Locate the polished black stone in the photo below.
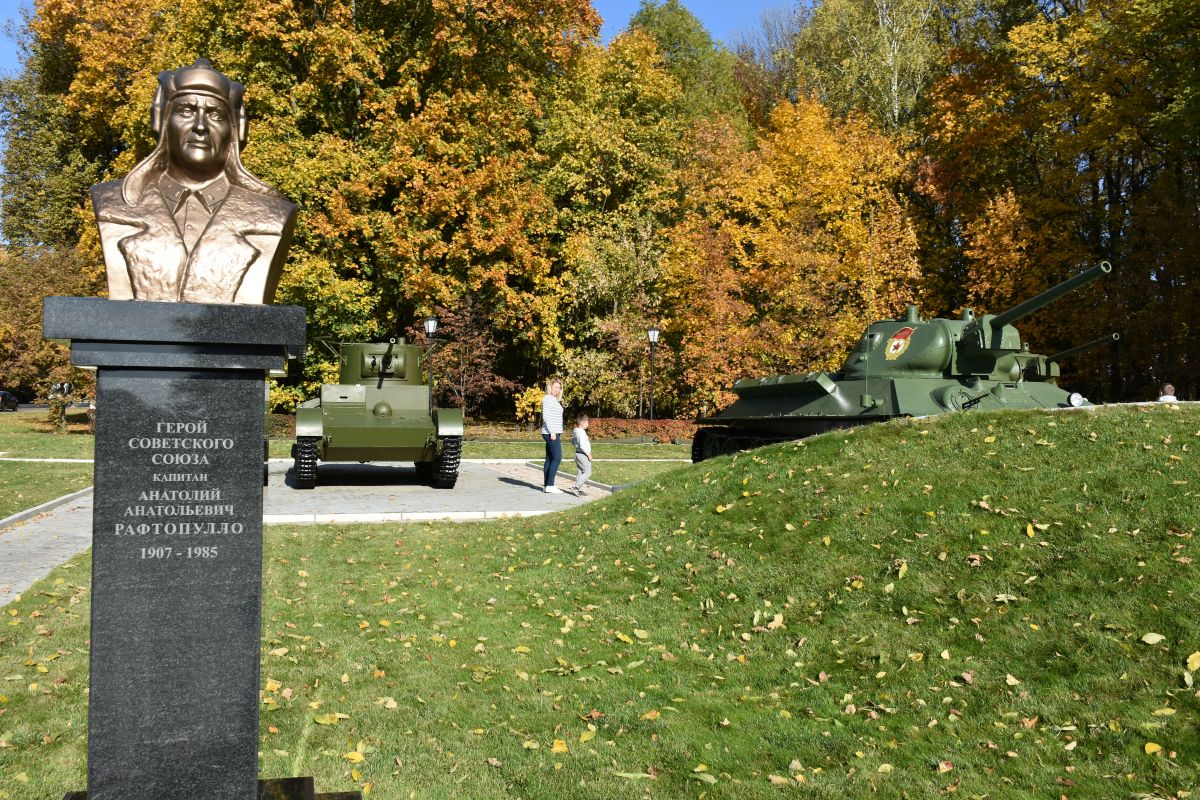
(176, 585)
(95, 319)
(282, 789)
(177, 543)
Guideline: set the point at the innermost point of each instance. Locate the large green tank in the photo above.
(907, 367)
(378, 411)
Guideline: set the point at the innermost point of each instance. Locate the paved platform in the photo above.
(385, 492)
(30, 548)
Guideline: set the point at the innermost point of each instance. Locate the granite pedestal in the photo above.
(177, 542)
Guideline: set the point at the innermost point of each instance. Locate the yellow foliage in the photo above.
(789, 251)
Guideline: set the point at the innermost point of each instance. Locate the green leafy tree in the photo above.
(613, 136)
(705, 71)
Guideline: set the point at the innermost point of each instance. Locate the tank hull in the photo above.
(380, 411)
(789, 407)
(906, 367)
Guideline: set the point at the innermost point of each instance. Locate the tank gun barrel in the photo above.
(1083, 348)
(387, 362)
(1050, 295)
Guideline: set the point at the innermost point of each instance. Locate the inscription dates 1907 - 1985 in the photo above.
(162, 512)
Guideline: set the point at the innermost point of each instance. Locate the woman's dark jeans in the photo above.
(553, 458)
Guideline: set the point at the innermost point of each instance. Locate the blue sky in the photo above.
(723, 18)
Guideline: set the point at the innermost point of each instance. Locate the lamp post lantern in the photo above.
(652, 334)
(430, 324)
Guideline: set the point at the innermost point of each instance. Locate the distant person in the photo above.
(583, 454)
(552, 428)
(1167, 394)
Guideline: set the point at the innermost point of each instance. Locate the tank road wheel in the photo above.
(705, 445)
(445, 466)
(304, 472)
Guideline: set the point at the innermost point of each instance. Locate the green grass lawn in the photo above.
(24, 485)
(980, 605)
(27, 434)
(618, 473)
(602, 449)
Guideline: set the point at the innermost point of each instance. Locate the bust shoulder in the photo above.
(106, 195)
(267, 210)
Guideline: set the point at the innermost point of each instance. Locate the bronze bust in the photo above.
(189, 222)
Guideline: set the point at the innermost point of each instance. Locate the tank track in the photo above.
(304, 471)
(445, 466)
(712, 442)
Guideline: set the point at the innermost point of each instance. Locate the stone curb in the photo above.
(571, 477)
(49, 505)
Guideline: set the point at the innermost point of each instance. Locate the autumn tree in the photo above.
(403, 130)
(706, 72)
(466, 359)
(871, 55)
(766, 70)
(612, 138)
(27, 361)
(1064, 143)
(788, 251)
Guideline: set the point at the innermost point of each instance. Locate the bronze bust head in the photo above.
(189, 222)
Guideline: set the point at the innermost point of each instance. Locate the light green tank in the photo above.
(909, 367)
(380, 410)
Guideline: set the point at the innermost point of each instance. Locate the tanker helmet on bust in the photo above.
(199, 78)
(189, 222)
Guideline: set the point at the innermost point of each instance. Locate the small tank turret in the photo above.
(379, 410)
(905, 367)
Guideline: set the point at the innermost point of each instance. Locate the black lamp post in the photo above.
(652, 335)
(430, 326)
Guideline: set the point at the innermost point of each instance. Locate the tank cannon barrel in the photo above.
(1050, 295)
(1083, 348)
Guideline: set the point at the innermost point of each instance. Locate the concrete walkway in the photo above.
(30, 548)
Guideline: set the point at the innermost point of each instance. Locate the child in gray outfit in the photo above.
(583, 454)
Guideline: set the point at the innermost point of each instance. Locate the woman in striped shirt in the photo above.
(552, 428)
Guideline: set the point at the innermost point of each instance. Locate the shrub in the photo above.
(660, 430)
(281, 426)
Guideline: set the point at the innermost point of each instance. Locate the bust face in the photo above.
(198, 132)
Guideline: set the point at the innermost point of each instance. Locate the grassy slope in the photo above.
(920, 624)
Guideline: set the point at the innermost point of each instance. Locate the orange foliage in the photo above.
(789, 251)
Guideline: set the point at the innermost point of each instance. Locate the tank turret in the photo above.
(904, 367)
